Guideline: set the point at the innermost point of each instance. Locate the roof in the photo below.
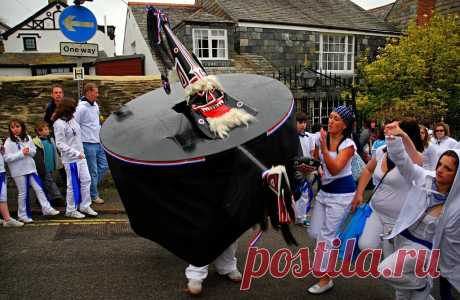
(176, 13)
(36, 59)
(333, 14)
(4, 25)
(203, 16)
(40, 12)
(342, 14)
(381, 12)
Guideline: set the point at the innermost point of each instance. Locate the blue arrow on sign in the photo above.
(78, 23)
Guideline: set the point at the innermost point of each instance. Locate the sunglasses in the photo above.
(440, 130)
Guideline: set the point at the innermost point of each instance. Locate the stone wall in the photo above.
(185, 34)
(291, 47)
(27, 97)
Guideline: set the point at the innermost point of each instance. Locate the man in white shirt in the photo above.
(88, 117)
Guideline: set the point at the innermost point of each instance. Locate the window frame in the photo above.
(210, 39)
(24, 43)
(345, 53)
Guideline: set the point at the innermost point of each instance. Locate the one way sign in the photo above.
(79, 50)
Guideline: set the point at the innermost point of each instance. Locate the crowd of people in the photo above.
(66, 144)
(412, 170)
(414, 202)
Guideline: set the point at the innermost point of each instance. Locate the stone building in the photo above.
(400, 12)
(228, 35)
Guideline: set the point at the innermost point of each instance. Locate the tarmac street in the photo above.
(101, 258)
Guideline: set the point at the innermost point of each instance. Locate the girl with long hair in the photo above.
(68, 141)
(389, 195)
(429, 154)
(335, 150)
(19, 150)
(429, 219)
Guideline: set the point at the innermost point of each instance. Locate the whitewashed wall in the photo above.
(134, 43)
(15, 72)
(51, 37)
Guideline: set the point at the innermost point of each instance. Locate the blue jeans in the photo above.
(97, 165)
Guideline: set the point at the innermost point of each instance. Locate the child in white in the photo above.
(8, 221)
(307, 146)
(19, 150)
(68, 140)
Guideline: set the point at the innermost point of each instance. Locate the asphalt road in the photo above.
(103, 259)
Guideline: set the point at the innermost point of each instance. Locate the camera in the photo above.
(307, 161)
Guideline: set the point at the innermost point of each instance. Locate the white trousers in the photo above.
(82, 175)
(301, 207)
(328, 213)
(224, 264)
(377, 225)
(408, 286)
(21, 184)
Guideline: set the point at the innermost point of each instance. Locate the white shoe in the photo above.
(194, 287)
(12, 223)
(317, 290)
(89, 211)
(51, 212)
(26, 220)
(98, 200)
(75, 214)
(234, 276)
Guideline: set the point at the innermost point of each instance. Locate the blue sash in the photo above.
(406, 233)
(76, 188)
(27, 199)
(341, 185)
(2, 180)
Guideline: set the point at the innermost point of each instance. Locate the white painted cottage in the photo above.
(32, 47)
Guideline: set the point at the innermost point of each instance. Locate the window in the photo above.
(210, 43)
(336, 53)
(30, 44)
(51, 70)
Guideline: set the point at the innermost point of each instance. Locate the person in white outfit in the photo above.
(306, 149)
(429, 219)
(19, 150)
(8, 221)
(338, 187)
(430, 155)
(389, 195)
(87, 116)
(68, 141)
(225, 265)
(442, 140)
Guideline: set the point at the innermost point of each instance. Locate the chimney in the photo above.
(425, 10)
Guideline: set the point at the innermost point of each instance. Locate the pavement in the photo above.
(112, 201)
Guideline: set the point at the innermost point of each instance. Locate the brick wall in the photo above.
(27, 97)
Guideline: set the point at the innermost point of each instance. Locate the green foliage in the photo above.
(416, 75)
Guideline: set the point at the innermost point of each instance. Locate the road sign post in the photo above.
(79, 50)
(78, 23)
